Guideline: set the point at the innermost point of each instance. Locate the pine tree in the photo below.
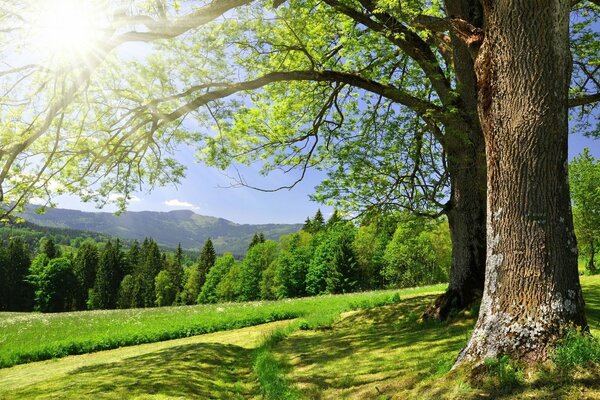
(85, 265)
(133, 257)
(108, 278)
(152, 264)
(334, 219)
(20, 291)
(206, 261)
(318, 222)
(48, 247)
(175, 268)
(307, 225)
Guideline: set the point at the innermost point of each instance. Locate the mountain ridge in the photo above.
(167, 228)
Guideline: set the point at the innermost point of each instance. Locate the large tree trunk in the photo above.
(467, 170)
(532, 291)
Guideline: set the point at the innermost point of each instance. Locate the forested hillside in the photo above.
(324, 257)
(167, 228)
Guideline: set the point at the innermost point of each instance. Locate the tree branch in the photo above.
(584, 99)
(407, 40)
(393, 93)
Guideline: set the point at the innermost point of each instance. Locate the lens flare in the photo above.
(67, 30)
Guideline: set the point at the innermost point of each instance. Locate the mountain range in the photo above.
(166, 228)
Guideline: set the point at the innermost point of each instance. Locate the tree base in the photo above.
(449, 303)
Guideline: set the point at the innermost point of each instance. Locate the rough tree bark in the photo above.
(467, 170)
(532, 291)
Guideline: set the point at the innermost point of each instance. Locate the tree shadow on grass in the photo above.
(372, 353)
(591, 295)
(203, 371)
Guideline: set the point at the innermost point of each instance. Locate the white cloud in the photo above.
(180, 204)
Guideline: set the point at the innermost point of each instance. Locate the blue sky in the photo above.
(205, 191)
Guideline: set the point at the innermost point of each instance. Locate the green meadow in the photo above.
(360, 346)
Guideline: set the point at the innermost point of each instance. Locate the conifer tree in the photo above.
(307, 225)
(108, 278)
(152, 264)
(19, 292)
(334, 219)
(48, 247)
(85, 265)
(255, 240)
(175, 268)
(205, 262)
(318, 221)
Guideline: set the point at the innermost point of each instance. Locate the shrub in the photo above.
(576, 349)
(506, 371)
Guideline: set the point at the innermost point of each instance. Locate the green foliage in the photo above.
(576, 349)
(166, 290)
(175, 268)
(206, 261)
(228, 288)
(315, 224)
(151, 263)
(48, 247)
(128, 292)
(258, 259)
(333, 269)
(85, 265)
(192, 287)
(584, 179)
(16, 290)
(215, 275)
(55, 287)
(108, 278)
(418, 254)
(505, 371)
(268, 285)
(292, 264)
(369, 247)
(256, 239)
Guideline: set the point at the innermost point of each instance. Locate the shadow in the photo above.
(203, 371)
(373, 353)
(591, 295)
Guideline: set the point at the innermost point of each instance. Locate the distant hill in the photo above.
(167, 228)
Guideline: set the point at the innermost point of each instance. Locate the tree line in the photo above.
(333, 256)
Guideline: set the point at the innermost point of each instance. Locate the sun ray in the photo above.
(67, 31)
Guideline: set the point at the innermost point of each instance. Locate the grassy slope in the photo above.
(381, 353)
(385, 353)
(216, 365)
(34, 336)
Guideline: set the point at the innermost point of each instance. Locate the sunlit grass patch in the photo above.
(33, 336)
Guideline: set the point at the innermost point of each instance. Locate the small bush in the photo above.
(507, 373)
(576, 349)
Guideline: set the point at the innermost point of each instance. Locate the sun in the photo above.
(66, 30)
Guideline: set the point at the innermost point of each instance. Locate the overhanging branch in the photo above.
(584, 100)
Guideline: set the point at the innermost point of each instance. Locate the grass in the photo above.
(374, 353)
(386, 353)
(215, 366)
(33, 337)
